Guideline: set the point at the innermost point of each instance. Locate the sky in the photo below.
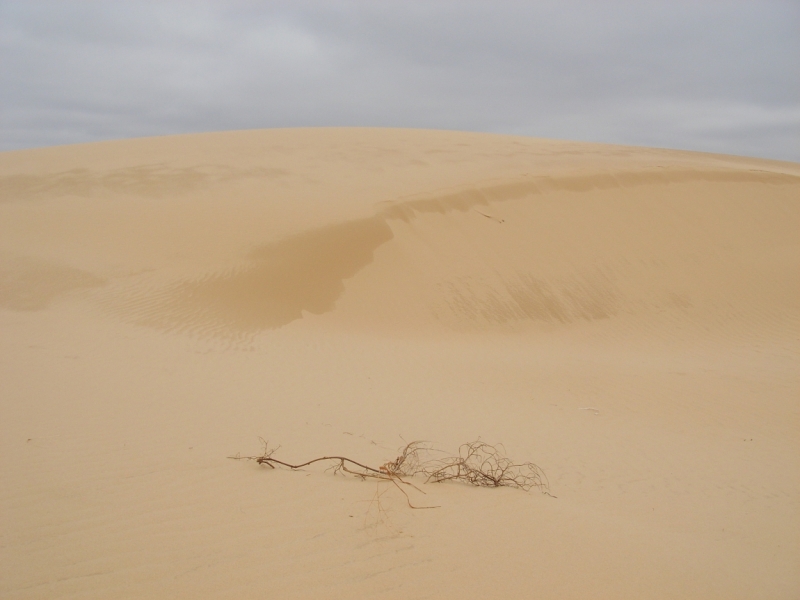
(708, 75)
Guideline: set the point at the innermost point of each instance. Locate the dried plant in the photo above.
(484, 465)
(478, 463)
(407, 463)
(392, 471)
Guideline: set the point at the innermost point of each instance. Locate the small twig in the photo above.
(483, 214)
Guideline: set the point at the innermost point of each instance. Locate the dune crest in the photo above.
(306, 272)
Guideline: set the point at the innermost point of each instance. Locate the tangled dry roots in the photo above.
(478, 463)
(484, 465)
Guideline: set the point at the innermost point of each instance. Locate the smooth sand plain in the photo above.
(626, 318)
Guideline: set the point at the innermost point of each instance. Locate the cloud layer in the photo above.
(720, 76)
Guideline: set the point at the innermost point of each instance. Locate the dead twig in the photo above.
(393, 472)
(483, 465)
(478, 463)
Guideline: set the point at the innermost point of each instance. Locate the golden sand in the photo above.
(626, 318)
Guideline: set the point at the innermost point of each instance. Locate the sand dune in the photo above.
(627, 318)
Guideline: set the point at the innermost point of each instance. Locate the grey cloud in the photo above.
(714, 76)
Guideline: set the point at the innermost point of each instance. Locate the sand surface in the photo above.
(626, 318)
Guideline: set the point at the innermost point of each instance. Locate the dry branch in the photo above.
(484, 465)
(392, 472)
(478, 463)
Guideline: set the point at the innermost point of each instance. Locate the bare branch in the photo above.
(478, 463)
(484, 465)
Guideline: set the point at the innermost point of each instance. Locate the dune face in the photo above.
(626, 318)
(29, 284)
(303, 272)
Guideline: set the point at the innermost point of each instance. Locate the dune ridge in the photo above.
(306, 271)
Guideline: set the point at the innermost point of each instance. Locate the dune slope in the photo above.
(627, 318)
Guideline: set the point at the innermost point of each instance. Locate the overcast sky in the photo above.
(711, 75)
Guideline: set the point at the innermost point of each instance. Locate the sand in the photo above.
(626, 318)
